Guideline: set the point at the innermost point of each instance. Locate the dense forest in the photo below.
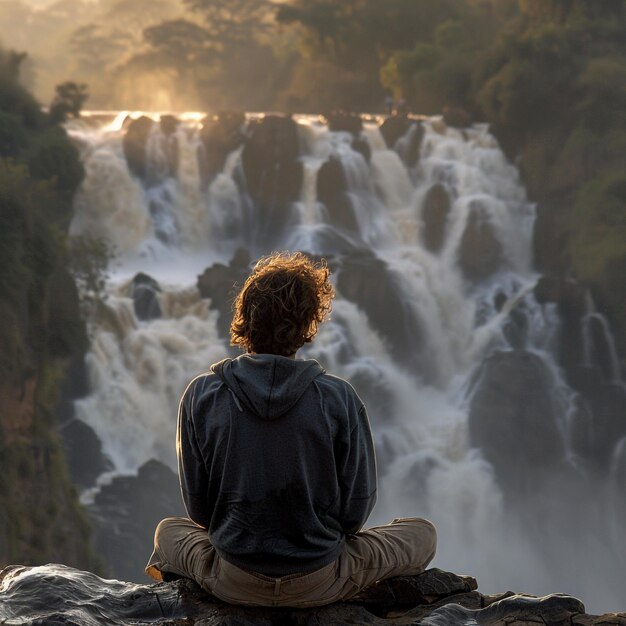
(41, 330)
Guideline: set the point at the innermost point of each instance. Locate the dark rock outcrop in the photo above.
(221, 283)
(168, 124)
(457, 117)
(144, 292)
(585, 352)
(343, 121)
(395, 127)
(411, 132)
(273, 174)
(83, 451)
(126, 512)
(480, 251)
(435, 211)
(571, 300)
(55, 594)
(513, 419)
(134, 144)
(361, 145)
(332, 187)
(367, 281)
(220, 135)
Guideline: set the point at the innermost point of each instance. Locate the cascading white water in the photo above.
(171, 229)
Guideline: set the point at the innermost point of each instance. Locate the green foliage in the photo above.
(180, 39)
(12, 135)
(68, 101)
(88, 261)
(560, 11)
(602, 88)
(14, 98)
(40, 328)
(54, 158)
(16, 205)
(598, 226)
(597, 243)
(450, 35)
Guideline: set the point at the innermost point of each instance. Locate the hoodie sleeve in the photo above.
(358, 477)
(192, 473)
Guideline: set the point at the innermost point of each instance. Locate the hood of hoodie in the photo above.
(268, 385)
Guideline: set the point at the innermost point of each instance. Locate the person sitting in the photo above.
(276, 463)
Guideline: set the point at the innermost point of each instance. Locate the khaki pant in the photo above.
(402, 548)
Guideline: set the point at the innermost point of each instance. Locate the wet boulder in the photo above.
(221, 283)
(605, 401)
(332, 192)
(367, 281)
(168, 124)
(361, 145)
(273, 174)
(220, 135)
(83, 451)
(513, 419)
(125, 513)
(404, 135)
(480, 252)
(344, 121)
(63, 595)
(435, 212)
(571, 299)
(456, 117)
(395, 127)
(134, 144)
(145, 294)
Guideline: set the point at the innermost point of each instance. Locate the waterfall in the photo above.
(435, 282)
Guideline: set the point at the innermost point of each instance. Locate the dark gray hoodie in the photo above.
(276, 460)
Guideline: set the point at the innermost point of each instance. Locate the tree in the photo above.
(95, 49)
(69, 100)
(232, 22)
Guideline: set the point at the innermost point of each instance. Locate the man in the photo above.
(276, 464)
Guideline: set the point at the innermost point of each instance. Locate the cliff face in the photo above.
(41, 518)
(40, 332)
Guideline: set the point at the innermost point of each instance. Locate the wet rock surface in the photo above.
(332, 192)
(404, 135)
(56, 594)
(83, 450)
(221, 283)
(344, 121)
(367, 281)
(514, 419)
(435, 211)
(480, 251)
(273, 173)
(144, 292)
(125, 514)
(134, 144)
(220, 135)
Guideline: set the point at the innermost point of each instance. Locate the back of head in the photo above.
(281, 304)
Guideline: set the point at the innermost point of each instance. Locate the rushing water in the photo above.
(170, 227)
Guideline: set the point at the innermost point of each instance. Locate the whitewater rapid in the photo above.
(172, 229)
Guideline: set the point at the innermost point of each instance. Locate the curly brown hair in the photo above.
(281, 304)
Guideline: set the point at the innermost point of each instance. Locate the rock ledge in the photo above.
(56, 594)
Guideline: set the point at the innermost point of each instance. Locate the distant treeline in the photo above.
(549, 75)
